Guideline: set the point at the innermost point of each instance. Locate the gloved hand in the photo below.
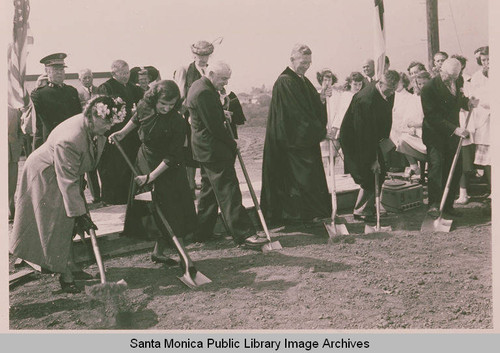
(84, 223)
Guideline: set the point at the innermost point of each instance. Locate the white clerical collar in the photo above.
(380, 91)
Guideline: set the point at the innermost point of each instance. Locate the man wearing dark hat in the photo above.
(55, 102)
(184, 77)
(113, 170)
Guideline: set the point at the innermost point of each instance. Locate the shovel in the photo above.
(191, 277)
(104, 289)
(332, 228)
(271, 245)
(440, 224)
(377, 228)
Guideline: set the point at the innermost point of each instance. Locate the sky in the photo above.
(258, 34)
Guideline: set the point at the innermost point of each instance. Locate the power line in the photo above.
(455, 26)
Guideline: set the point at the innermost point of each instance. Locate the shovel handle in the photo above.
(180, 248)
(122, 151)
(97, 253)
(250, 187)
(453, 166)
(377, 199)
(332, 175)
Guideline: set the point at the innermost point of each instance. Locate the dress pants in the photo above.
(440, 160)
(220, 189)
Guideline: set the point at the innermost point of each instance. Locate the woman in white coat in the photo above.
(480, 88)
(50, 205)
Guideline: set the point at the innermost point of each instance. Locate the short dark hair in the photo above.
(481, 51)
(462, 59)
(162, 89)
(405, 79)
(320, 75)
(420, 66)
(355, 76)
(424, 74)
(443, 53)
(392, 77)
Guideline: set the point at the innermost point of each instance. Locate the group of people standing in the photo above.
(159, 130)
(168, 128)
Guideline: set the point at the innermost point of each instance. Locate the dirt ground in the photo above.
(400, 279)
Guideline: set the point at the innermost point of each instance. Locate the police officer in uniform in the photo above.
(55, 102)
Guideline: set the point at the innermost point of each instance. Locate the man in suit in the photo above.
(368, 70)
(215, 149)
(185, 77)
(365, 129)
(55, 102)
(442, 100)
(86, 91)
(113, 170)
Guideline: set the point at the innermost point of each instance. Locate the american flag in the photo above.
(379, 39)
(17, 54)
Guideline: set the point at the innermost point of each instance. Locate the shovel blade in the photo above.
(271, 246)
(436, 225)
(335, 229)
(145, 196)
(194, 279)
(373, 229)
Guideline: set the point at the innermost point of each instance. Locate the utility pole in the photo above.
(432, 31)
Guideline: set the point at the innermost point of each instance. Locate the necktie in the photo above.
(90, 91)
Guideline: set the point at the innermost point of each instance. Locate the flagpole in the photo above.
(379, 38)
(432, 31)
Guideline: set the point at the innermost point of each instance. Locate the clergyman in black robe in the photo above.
(294, 187)
(364, 132)
(113, 170)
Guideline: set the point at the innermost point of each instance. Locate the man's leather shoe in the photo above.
(433, 212)
(364, 218)
(82, 276)
(254, 240)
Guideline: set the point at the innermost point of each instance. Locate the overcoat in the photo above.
(211, 141)
(368, 120)
(49, 194)
(53, 104)
(441, 113)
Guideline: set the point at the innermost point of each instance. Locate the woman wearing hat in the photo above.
(50, 202)
(160, 161)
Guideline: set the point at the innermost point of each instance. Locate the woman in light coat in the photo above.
(50, 204)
